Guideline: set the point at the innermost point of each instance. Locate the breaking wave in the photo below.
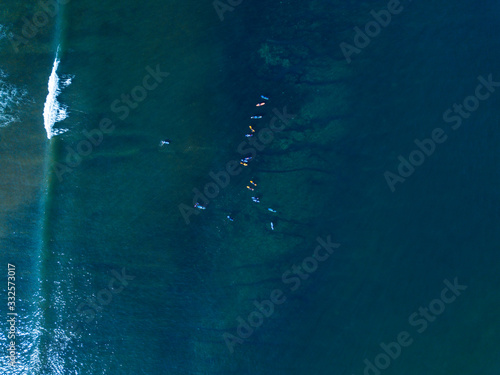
(53, 111)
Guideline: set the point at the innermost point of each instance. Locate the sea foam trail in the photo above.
(53, 111)
(12, 100)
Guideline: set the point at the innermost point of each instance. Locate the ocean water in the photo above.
(110, 277)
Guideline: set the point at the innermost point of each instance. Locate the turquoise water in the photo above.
(109, 277)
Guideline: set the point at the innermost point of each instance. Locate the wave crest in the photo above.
(53, 111)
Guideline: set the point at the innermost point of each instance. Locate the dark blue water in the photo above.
(111, 279)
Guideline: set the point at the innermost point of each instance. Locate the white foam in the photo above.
(53, 111)
(11, 100)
